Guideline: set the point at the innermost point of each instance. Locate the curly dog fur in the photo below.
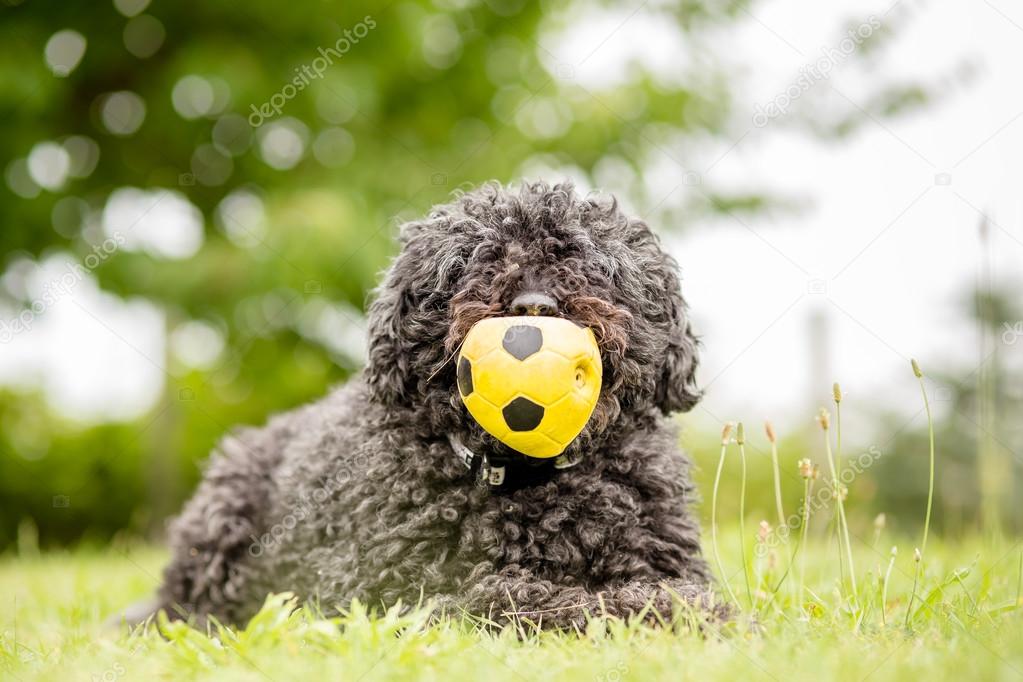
(359, 496)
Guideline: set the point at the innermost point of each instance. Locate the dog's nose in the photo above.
(534, 303)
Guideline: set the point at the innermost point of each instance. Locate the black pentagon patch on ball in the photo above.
(522, 340)
(522, 414)
(464, 373)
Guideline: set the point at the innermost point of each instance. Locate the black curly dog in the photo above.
(365, 494)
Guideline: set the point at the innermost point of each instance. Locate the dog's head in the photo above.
(541, 250)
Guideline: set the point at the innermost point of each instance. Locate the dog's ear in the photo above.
(676, 388)
(387, 371)
(408, 318)
(676, 384)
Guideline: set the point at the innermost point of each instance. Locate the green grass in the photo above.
(966, 624)
(948, 610)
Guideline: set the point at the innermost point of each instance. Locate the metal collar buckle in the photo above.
(492, 474)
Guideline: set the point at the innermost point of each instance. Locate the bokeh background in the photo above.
(197, 199)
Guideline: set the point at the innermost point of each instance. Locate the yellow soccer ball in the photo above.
(530, 382)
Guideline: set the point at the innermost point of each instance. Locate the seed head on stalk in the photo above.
(726, 434)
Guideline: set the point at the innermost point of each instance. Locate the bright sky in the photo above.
(883, 251)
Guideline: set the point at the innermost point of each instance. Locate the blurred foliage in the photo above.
(978, 433)
(298, 212)
(425, 99)
(976, 416)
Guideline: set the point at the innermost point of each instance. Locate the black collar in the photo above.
(504, 471)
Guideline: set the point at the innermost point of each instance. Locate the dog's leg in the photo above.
(665, 600)
(211, 540)
(516, 594)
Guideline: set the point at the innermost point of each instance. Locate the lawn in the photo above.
(965, 624)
